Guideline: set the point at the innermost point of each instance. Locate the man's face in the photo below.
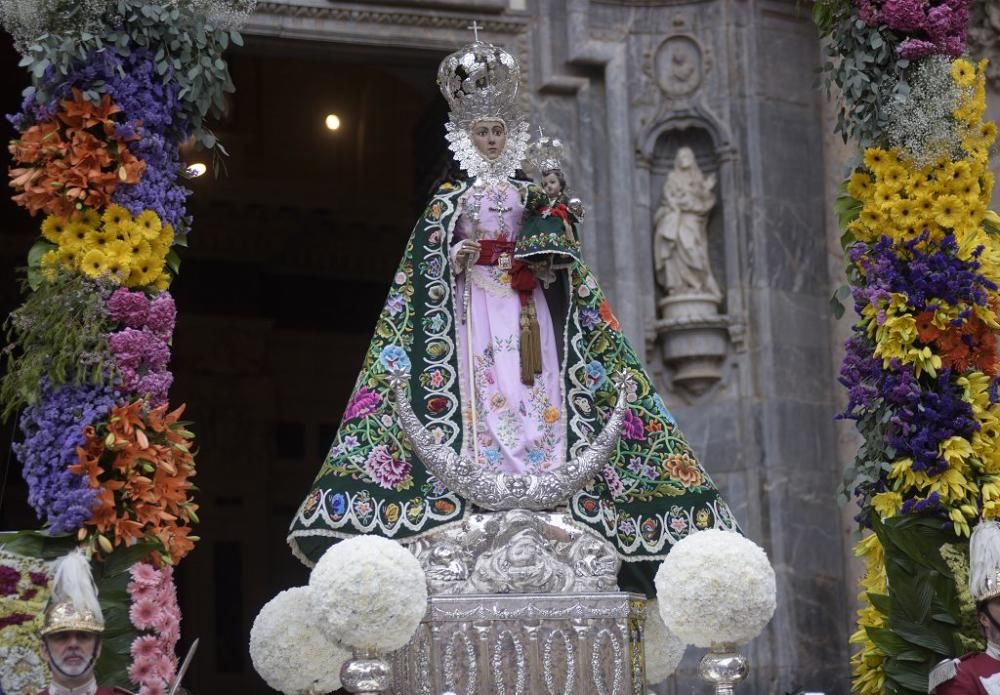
(72, 652)
(993, 608)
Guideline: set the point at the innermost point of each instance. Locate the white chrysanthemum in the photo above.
(663, 650)
(369, 592)
(288, 649)
(716, 587)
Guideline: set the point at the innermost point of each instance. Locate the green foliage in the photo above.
(828, 13)
(187, 50)
(862, 63)
(924, 607)
(59, 333)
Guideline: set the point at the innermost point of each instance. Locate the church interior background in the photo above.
(293, 249)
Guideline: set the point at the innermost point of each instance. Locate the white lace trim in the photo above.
(473, 163)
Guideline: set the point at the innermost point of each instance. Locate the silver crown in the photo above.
(480, 81)
(545, 153)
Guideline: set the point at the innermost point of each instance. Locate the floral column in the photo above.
(923, 262)
(117, 86)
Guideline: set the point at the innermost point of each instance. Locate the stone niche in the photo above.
(688, 252)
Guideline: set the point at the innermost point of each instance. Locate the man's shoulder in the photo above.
(953, 673)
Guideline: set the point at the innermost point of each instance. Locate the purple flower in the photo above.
(915, 49)
(589, 318)
(128, 308)
(9, 578)
(362, 403)
(905, 16)
(154, 387)
(52, 429)
(634, 428)
(162, 316)
(385, 470)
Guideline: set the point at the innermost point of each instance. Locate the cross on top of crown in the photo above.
(474, 27)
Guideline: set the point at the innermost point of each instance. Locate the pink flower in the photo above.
(362, 403)
(146, 648)
(155, 387)
(142, 670)
(166, 620)
(129, 308)
(384, 469)
(165, 668)
(905, 16)
(162, 316)
(633, 428)
(144, 573)
(143, 614)
(153, 688)
(141, 592)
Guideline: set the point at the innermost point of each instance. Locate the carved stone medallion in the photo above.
(679, 66)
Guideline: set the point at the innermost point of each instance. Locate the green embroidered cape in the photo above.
(652, 493)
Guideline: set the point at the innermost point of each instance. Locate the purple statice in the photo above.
(52, 429)
(927, 278)
(158, 188)
(914, 49)
(860, 374)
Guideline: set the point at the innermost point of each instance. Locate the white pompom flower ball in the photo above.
(662, 648)
(288, 649)
(716, 587)
(369, 592)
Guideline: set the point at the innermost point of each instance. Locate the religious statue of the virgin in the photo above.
(485, 387)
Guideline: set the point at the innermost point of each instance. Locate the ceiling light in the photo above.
(195, 170)
(333, 121)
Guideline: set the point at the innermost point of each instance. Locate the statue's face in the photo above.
(550, 182)
(72, 652)
(685, 157)
(489, 137)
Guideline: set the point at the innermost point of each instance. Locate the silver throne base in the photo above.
(525, 644)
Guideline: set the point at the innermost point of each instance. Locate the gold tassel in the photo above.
(536, 337)
(527, 368)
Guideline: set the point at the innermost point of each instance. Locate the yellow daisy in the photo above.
(94, 263)
(163, 282)
(859, 186)
(140, 250)
(89, 217)
(904, 213)
(119, 230)
(116, 214)
(75, 234)
(948, 210)
(872, 217)
(144, 271)
(98, 239)
(53, 228)
(166, 238)
(963, 72)
(149, 223)
(876, 159)
(118, 267)
(893, 176)
(69, 256)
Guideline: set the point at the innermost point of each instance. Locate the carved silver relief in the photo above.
(556, 644)
(518, 551)
(498, 491)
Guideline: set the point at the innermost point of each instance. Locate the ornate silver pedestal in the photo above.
(525, 644)
(522, 603)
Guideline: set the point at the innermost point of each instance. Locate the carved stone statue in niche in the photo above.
(681, 238)
(693, 334)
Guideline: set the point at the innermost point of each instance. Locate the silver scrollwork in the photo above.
(499, 491)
